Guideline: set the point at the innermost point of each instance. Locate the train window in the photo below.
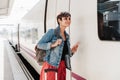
(34, 35)
(108, 12)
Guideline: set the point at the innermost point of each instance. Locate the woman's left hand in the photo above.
(75, 47)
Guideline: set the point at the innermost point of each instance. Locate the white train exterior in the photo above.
(94, 60)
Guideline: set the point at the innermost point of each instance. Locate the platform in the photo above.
(12, 68)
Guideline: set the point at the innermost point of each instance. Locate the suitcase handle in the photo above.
(48, 70)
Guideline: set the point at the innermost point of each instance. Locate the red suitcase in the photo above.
(50, 70)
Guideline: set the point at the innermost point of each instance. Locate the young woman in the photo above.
(57, 46)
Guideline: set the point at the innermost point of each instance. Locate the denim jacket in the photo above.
(53, 55)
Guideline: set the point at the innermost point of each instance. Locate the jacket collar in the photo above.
(57, 32)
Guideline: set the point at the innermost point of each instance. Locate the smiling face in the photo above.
(65, 21)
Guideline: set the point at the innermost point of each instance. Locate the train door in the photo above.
(83, 29)
(76, 32)
(51, 14)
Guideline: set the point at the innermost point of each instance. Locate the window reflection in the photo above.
(108, 20)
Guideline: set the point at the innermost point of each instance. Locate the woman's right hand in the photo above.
(56, 43)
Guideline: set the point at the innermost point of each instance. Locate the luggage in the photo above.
(40, 54)
(50, 70)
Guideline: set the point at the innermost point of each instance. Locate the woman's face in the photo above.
(65, 21)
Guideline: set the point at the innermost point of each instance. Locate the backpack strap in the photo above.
(56, 33)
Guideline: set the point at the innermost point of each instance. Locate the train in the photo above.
(95, 59)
